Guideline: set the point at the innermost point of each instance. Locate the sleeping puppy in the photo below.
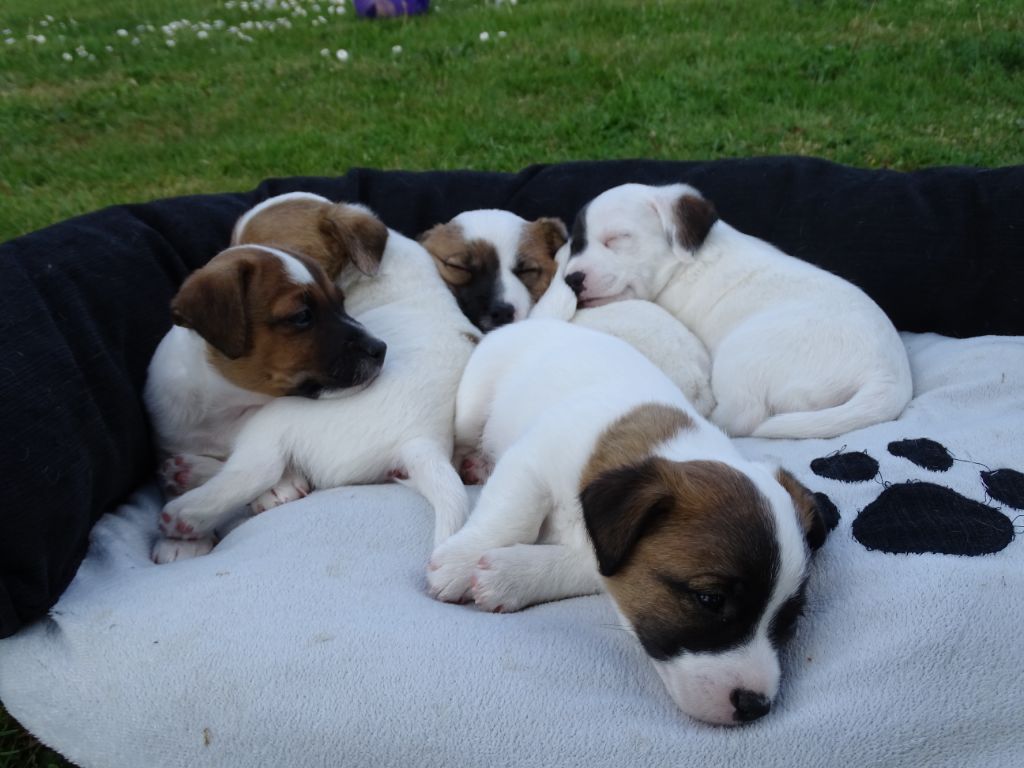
(496, 264)
(401, 428)
(502, 268)
(253, 324)
(795, 350)
(608, 479)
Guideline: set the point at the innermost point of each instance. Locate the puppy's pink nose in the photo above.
(575, 281)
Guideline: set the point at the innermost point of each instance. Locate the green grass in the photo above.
(900, 84)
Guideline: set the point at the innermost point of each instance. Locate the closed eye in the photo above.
(616, 239)
(457, 265)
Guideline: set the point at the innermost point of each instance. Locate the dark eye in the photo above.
(526, 271)
(710, 600)
(302, 319)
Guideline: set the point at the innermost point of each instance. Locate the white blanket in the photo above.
(306, 638)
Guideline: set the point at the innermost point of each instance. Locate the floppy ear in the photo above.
(808, 510)
(212, 302)
(618, 508)
(549, 232)
(353, 236)
(442, 242)
(686, 216)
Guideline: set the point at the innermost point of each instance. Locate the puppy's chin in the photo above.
(600, 301)
(337, 393)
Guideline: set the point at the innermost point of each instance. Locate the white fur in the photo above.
(795, 350)
(503, 229)
(650, 329)
(536, 396)
(400, 427)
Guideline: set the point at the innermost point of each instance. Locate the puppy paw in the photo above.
(177, 522)
(185, 471)
(167, 550)
(290, 488)
(475, 468)
(450, 572)
(497, 581)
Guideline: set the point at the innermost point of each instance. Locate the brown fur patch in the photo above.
(807, 511)
(631, 439)
(535, 257)
(332, 234)
(689, 550)
(458, 260)
(242, 303)
(695, 216)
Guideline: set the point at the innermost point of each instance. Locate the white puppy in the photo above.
(400, 428)
(606, 477)
(795, 350)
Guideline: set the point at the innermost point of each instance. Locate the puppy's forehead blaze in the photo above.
(715, 534)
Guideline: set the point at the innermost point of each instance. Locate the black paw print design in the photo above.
(917, 517)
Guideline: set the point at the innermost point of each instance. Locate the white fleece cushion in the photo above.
(306, 637)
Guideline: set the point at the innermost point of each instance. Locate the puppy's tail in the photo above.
(878, 400)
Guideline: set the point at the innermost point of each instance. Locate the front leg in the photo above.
(511, 508)
(510, 578)
(249, 471)
(428, 469)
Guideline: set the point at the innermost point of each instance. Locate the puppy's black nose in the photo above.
(575, 281)
(375, 349)
(749, 705)
(502, 313)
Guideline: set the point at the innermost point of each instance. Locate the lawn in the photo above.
(128, 100)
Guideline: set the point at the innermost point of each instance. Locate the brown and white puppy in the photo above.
(401, 428)
(253, 324)
(606, 478)
(496, 264)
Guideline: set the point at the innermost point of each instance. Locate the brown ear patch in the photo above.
(694, 217)
(535, 256)
(808, 511)
(333, 235)
(460, 261)
(213, 302)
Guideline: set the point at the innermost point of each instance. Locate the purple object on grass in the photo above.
(373, 9)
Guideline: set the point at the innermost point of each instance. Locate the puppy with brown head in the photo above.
(601, 461)
(255, 323)
(495, 263)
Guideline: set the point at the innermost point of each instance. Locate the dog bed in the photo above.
(307, 636)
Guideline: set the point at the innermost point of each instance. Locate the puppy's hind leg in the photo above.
(509, 578)
(428, 470)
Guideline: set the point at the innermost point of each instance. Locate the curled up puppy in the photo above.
(253, 324)
(400, 428)
(606, 479)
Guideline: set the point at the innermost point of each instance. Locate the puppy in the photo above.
(607, 478)
(496, 264)
(254, 324)
(401, 428)
(795, 351)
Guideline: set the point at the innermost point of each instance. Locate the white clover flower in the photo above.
(202, 34)
(140, 28)
(396, 49)
(136, 41)
(341, 55)
(49, 17)
(9, 40)
(44, 23)
(67, 56)
(325, 52)
(484, 37)
(122, 33)
(503, 33)
(92, 57)
(108, 48)
(6, 32)
(170, 42)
